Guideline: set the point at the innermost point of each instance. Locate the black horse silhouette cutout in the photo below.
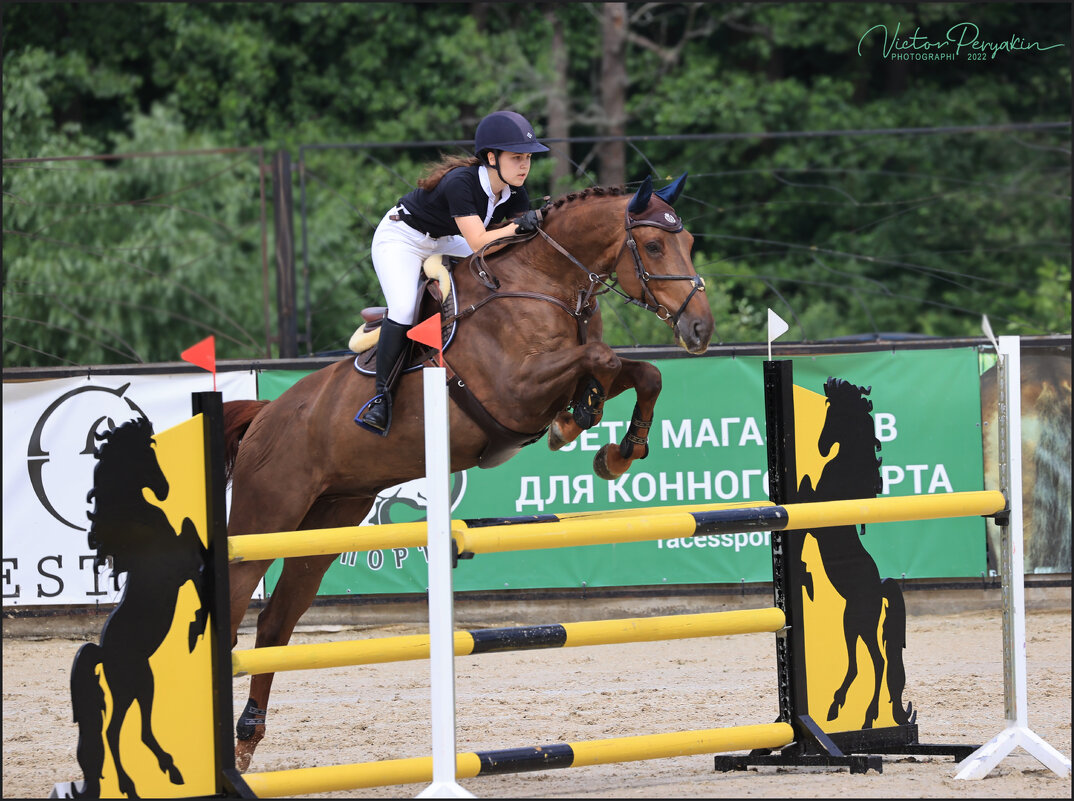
(854, 472)
(140, 541)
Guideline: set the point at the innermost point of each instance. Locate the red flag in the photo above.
(429, 333)
(203, 355)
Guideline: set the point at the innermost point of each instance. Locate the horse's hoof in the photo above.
(606, 468)
(833, 711)
(563, 431)
(243, 755)
(555, 440)
(126, 786)
(175, 776)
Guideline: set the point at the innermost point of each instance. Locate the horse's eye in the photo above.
(653, 248)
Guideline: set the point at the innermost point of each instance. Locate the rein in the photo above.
(583, 310)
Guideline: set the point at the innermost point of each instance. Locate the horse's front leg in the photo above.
(641, 376)
(586, 374)
(612, 461)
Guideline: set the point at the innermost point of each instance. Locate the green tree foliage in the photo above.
(136, 259)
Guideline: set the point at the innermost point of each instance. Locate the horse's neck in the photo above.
(591, 233)
(851, 473)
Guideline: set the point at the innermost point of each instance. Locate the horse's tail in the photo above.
(87, 701)
(238, 415)
(894, 643)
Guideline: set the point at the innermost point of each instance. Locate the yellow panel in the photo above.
(810, 409)
(826, 655)
(182, 719)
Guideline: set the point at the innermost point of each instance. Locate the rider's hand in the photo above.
(527, 223)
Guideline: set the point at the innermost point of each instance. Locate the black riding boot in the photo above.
(376, 415)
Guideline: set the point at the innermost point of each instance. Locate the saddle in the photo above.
(437, 296)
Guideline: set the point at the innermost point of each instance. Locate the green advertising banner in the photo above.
(707, 446)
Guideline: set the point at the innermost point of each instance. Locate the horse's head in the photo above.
(849, 422)
(127, 461)
(655, 268)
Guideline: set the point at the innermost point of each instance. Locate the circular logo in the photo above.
(406, 502)
(59, 458)
(669, 216)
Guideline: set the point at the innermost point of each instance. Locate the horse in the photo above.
(854, 472)
(141, 542)
(528, 347)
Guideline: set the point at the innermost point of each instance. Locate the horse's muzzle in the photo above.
(694, 333)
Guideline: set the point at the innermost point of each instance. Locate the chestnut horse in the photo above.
(528, 346)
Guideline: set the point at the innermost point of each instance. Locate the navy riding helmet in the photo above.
(506, 130)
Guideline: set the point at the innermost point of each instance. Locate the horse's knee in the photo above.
(600, 358)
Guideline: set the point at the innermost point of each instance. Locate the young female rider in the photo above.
(449, 213)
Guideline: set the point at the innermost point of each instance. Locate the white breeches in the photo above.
(398, 254)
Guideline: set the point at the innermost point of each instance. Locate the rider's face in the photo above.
(515, 167)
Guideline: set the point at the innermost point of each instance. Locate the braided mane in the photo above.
(592, 191)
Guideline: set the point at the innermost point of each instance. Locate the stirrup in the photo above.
(383, 432)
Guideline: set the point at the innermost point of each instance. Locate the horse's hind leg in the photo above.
(87, 701)
(295, 591)
(243, 578)
(121, 703)
(873, 712)
(134, 682)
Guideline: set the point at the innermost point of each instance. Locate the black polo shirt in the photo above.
(459, 194)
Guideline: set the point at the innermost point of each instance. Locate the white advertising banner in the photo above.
(49, 430)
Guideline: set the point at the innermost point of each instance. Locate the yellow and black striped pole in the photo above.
(557, 635)
(636, 525)
(304, 781)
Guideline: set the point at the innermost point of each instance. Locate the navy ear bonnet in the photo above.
(662, 216)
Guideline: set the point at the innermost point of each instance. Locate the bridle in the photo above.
(666, 221)
(657, 215)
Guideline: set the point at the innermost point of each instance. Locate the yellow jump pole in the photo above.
(567, 635)
(317, 542)
(305, 781)
(803, 516)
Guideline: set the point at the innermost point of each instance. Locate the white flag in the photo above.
(777, 326)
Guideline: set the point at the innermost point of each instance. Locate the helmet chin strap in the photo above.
(496, 164)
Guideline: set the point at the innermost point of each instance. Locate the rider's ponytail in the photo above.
(437, 170)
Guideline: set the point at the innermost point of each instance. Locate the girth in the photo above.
(503, 442)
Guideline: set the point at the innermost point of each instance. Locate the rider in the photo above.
(449, 213)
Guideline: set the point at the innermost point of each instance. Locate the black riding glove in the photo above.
(527, 223)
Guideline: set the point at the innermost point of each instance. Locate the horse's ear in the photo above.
(641, 198)
(670, 193)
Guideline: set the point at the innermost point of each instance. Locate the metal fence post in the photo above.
(283, 218)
